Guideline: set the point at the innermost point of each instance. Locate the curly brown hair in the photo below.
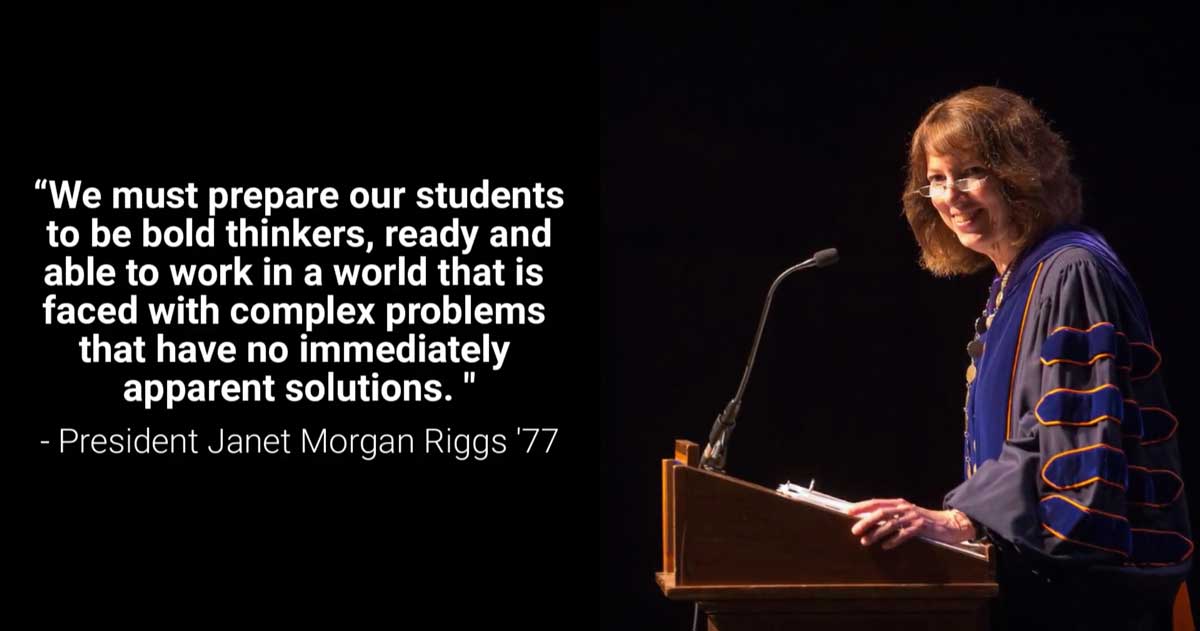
(1031, 162)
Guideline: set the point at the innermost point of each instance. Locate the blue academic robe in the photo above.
(1072, 457)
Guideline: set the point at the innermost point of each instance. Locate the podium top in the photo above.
(719, 531)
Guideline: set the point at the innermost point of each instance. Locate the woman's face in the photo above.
(980, 218)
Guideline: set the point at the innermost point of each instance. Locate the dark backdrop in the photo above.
(722, 145)
(740, 141)
(415, 540)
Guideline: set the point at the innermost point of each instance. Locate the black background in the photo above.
(702, 151)
(421, 540)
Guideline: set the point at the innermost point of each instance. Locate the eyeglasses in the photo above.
(941, 188)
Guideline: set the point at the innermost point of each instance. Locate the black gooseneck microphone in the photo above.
(718, 439)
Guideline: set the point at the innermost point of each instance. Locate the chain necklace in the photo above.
(984, 321)
(975, 351)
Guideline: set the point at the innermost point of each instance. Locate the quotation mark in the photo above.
(469, 377)
(40, 184)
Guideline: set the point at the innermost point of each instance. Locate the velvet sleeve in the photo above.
(1059, 485)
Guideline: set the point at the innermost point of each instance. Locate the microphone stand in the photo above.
(717, 449)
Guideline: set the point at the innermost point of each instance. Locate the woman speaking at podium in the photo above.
(1071, 462)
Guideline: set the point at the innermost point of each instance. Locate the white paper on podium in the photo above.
(816, 498)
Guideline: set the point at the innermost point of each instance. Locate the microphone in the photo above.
(717, 448)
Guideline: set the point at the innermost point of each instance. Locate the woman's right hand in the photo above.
(894, 521)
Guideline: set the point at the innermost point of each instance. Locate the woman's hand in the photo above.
(896, 521)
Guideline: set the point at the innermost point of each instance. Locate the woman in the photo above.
(1072, 467)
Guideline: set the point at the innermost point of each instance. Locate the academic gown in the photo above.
(1071, 453)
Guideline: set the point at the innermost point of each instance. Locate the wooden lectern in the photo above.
(754, 558)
